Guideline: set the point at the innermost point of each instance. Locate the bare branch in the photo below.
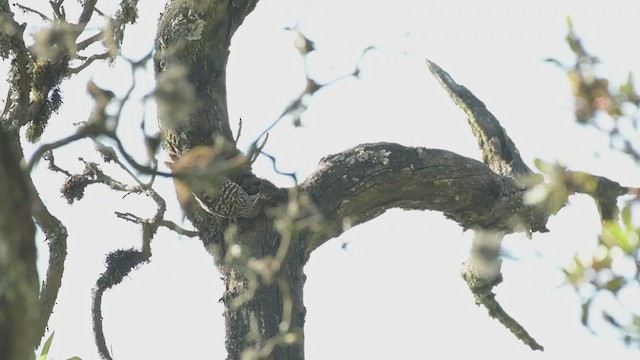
(87, 10)
(498, 151)
(359, 184)
(56, 235)
(603, 191)
(119, 264)
(89, 61)
(90, 40)
(175, 227)
(164, 223)
(297, 106)
(482, 274)
(52, 164)
(83, 132)
(292, 175)
(481, 290)
(28, 9)
(254, 155)
(58, 10)
(98, 332)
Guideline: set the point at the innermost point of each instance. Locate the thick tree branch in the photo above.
(14, 116)
(361, 183)
(502, 156)
(192, 44)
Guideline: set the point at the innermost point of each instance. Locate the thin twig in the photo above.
(482, 274)
(52, 165)
(83, 132)
(239, 130)
(253, 156)
(129, 217)
(100, 12)
(165, 223)
(175, 227)
(131, 161)
(89, 61)
(28, 9)
(58, 10)
(275, 168)
(90, 40)
(102, 148)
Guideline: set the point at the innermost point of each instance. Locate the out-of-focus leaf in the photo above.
(627, 89)
(615, 284)
(611, 320)
(47, 345)
(601, 259)
(614, 235)
(575, 272)
(625, 216)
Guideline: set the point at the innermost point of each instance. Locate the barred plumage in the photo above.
(227, 200)
(230, 202)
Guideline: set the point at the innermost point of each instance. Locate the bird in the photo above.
(198, 174)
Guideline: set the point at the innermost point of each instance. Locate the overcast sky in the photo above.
(395, 292)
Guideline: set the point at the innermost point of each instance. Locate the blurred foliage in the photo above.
(613, 110)
(613, 269)
(44, 353)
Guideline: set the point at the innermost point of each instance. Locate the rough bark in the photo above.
(264, 308)
(359, 184)
(262, 258)
(18, 275)
(194, 36)
(193, 39)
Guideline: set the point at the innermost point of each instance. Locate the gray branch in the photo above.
(498, 150)
(359, 184)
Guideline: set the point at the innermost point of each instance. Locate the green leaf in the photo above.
(542, 165)
(615, 284)
(614, 235)
(625, 215)
(45, 349)
(569, 22)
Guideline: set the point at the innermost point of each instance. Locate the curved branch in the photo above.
(56, 234)
(195, 36)
(119, 264)
(482, 273)
(498, 150)
(361, 183)
(603, 191)
(482, 292)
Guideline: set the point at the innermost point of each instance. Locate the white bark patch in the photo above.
(362, 155)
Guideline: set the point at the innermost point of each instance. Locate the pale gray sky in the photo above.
(396, 292)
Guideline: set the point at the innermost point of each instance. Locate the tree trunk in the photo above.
(262, 258)
(18, 275)
(264, 311)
